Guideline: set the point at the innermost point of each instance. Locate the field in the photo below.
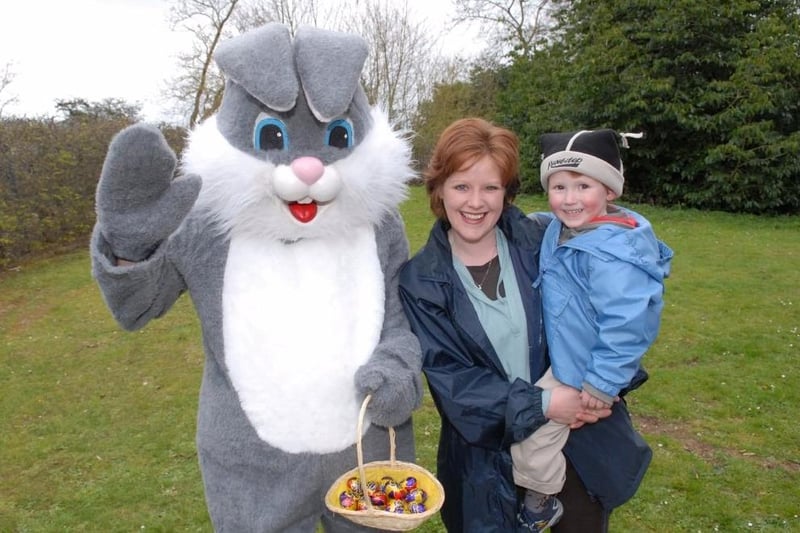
(97, 425)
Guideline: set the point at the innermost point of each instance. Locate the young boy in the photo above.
(602, 273)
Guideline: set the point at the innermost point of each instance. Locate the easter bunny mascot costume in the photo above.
(282, 224)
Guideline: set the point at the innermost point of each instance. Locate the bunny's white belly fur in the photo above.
(298, 320)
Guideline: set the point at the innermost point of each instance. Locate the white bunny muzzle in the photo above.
(306, 185)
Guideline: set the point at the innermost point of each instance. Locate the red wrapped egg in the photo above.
(378, 499)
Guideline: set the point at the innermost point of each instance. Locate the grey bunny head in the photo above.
(287, 98)
(295, 151)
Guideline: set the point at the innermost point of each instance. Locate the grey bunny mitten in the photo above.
(396, 389)
(139, 204)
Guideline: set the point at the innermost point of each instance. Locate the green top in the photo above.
(503, 319)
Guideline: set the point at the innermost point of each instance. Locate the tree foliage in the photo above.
(106, 110)
(474, 96)
(49, 169)
(714, 85)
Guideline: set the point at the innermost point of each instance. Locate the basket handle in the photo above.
(360, 452)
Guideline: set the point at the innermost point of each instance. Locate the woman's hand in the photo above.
(566, 408)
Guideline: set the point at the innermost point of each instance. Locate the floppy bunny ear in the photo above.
(329, 64)
(261, 62)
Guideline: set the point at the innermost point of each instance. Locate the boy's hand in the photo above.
(592, 403)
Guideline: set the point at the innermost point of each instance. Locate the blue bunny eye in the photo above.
(339, 134)
(270, 134)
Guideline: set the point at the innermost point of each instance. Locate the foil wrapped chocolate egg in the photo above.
(410, 483)
(378, 499)
(393, 490)
(373, 486)
(353, 485)
(396, 506)
(347, 500)
(416, 495)
(416, 508)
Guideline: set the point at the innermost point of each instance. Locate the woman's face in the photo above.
(473, 199)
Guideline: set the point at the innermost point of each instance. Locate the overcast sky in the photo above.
(96, 49)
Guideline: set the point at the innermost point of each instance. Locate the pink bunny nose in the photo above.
(308, 169)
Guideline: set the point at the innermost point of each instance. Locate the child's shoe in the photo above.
(539, 521)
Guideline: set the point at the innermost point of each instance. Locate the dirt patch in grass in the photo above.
(692, 444)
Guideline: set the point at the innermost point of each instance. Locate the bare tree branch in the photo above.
(513, 26)
(292, 13)
(401, 67)
(198, 81)
(400, 71)
(7, 76)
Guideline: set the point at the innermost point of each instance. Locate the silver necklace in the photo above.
(486, 274)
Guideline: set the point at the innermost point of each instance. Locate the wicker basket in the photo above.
(379, 518)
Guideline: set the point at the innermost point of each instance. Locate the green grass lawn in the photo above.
(97, 425)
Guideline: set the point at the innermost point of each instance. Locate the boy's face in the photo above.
(576, 199)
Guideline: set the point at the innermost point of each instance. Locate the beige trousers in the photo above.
(538, 462)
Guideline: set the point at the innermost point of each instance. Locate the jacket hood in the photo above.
(638, 246)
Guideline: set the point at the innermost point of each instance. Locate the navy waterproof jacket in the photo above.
(482, 413)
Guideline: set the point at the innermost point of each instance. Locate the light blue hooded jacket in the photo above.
(602, 293)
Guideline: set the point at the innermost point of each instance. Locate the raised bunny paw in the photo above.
(139, 201)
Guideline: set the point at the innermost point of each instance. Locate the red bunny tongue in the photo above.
(303, 212)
